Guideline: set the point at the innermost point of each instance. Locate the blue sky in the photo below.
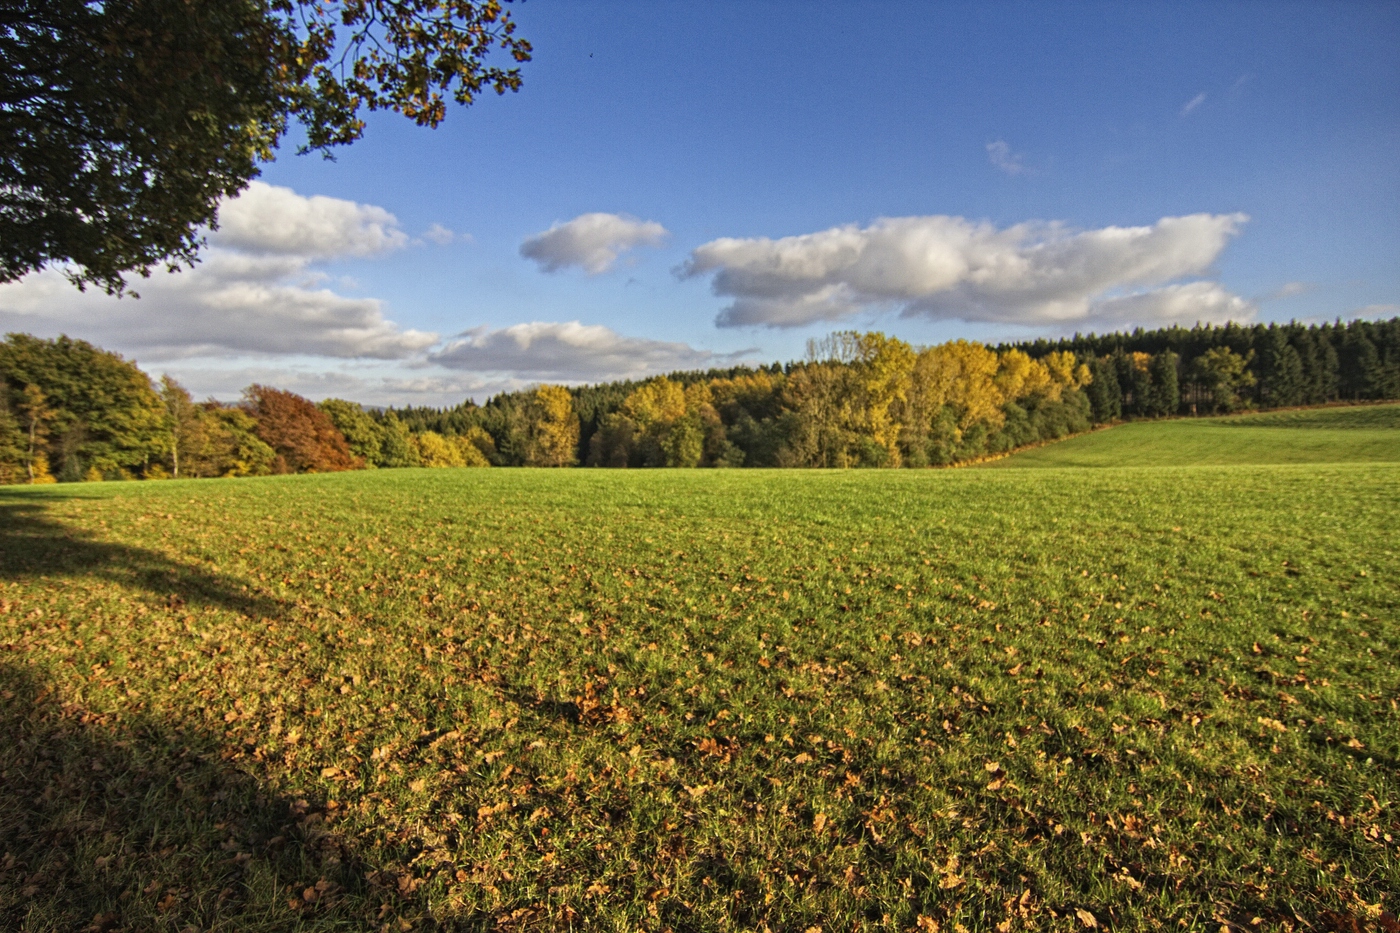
(733, 126)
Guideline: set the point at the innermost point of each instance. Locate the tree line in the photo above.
(70, 411)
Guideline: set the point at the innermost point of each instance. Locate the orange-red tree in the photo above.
(304, 437)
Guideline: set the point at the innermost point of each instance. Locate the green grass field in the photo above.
(981, 699)
(1327, 435)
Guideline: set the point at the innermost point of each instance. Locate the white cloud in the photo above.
(1376, 312)
(1192, 104)
(1000, 155)
(357, 382)
(945, 268)
(1187, 303)
(570, 352)
(591, 241)
(255, 290)
(1288, 290)
(271, 220)
(437, 233)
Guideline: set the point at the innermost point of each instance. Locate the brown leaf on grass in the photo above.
(819, 823)
(1086, 918)
(101, 923)
(485, 813)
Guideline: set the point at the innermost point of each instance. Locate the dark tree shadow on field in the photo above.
(136, 824)
(136, 821)
(33, 544)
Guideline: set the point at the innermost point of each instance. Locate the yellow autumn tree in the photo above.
(850, 401)
(1066, 370)
(885, 369)
(1018, 376)
(553, 428)
(658, 400)
(663, 423)
(434, 450)
(969, 379)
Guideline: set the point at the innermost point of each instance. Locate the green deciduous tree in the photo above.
(232, 446)
(362, 433)
(124, 122)
(1219, 375)
(12, 445)
(396, 444)
(37, 416)
(185, 423)
(105, 413)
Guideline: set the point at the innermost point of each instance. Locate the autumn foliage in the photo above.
(70, 411)
(302, 435)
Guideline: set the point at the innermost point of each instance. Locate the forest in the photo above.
(70, 411)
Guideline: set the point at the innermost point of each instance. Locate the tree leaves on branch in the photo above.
(123, 123)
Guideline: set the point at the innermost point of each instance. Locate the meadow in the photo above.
(1159, 693)
(1351, 434)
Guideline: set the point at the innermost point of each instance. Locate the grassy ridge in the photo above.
(703, 700)
(1328, 435)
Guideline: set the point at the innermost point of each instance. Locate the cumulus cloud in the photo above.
(591, 242)
(1192, 104)
(1000, 154)
(272, 220)
(570, 352)
(944, 268)
(367, 384)
(255, 290)
(1186, 303)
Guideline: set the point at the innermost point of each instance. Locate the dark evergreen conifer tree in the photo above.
(1165, 396)
(1105, 396)
(1361, 364)
(1282, 378)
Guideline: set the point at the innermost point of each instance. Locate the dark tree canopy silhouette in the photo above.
(124, 122)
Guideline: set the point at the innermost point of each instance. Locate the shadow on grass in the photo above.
(33, 544)
(111, 824)
(136, 821)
